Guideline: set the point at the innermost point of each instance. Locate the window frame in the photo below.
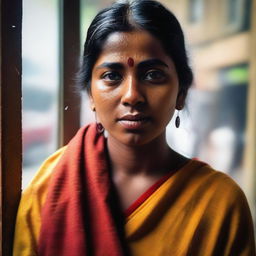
(10, 102)
(70, 97)
(10, 114)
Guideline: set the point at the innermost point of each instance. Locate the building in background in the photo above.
(220, 119)
(218, 36)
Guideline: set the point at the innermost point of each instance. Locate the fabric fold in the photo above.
(76, 217)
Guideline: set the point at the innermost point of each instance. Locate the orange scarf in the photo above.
(78, 215)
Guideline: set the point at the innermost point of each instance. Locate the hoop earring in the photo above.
(99, 127)
(177, 120)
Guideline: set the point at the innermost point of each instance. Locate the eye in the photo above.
(155, 76)
(112, 76)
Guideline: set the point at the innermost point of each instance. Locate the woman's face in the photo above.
(134, 88)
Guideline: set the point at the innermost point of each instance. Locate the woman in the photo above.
(130, 193)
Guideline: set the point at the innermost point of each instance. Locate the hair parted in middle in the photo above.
(125, 16)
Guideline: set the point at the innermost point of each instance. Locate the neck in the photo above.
(150, 159)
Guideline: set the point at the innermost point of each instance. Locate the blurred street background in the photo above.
(218, 124)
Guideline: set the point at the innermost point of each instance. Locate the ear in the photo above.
(92, 105)
(180, 102)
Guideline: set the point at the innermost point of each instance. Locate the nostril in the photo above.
(134, 104)
(133, 98)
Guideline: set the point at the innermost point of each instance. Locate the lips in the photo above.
(134, 121)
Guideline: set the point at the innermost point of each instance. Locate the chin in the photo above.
(135, 142)
(138, 139)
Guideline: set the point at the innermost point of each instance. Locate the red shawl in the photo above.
(77, 218)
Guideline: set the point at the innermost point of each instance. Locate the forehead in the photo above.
(138, 45)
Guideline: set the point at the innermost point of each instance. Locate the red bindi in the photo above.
(130, 62)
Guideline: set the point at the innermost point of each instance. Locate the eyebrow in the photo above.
(110, 65)
(151, 62)
(141, 65)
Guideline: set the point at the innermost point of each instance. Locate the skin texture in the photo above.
(134, 93)
(139, 155)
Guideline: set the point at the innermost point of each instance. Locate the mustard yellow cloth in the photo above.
(197, 212)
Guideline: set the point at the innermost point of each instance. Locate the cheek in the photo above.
(103, 102)
(104, 99)
(164, 101)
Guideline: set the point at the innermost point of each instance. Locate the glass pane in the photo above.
(238, 14)
(39, 83)
(196, 11)
(89, 8)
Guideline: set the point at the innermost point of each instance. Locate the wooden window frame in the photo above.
(11, 96)
(10, 113)
(69, 110)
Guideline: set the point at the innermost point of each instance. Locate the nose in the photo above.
(132, 94)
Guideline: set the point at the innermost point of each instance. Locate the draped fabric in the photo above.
(76, 217)
(70, 209)
(197, 212)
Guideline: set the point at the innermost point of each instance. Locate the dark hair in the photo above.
(124, 16)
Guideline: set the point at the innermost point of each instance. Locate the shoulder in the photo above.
(222, 206)
(219, 190)
(37, 189)
(203, 182)
(208, 176)
(28, 220)
(45, 171)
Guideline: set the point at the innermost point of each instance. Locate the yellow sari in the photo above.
(197, 211)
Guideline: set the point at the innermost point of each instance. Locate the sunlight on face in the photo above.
(134, 102)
